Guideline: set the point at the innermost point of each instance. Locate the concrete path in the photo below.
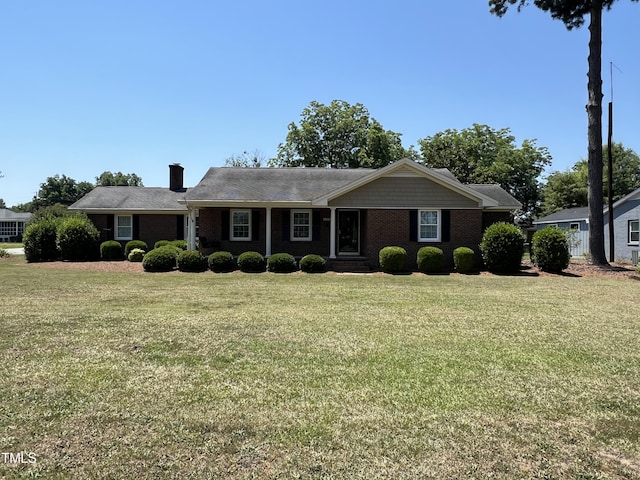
(14, 251)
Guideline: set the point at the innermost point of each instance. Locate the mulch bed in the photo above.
(577, 268)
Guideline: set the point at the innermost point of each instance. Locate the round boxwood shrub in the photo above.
(430, 259)
(111, 250)
(131, 244)
(162, 259)
(222, 262)
(40, 240)
(393, 259)
(464, 259)
(181, 244)
(192, 261)
(313, 264)
(136, 255)
(281, 263)
(78, 239)
(550, 250)
(502, 247)
(161, 243)
(251, 262)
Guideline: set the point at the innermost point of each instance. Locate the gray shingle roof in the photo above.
(272, 184)
(10, 215)
(495, 191)
(578, 213)
(131, 198)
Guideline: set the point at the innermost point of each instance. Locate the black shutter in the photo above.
(413, 225)
(255, 224)
(110, 234)
(224, 225)
(179, 227)
(286, 225)
(445, 228)
(136, 227)
(316, 222)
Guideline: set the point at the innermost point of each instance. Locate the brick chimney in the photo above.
(176, 177)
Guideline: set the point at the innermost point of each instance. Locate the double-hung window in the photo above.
(300, 225)
(634, 232)
(429, 225)
(124, 227)
(240, 224)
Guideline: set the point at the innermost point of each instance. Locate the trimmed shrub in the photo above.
(281, 263)
(162, 259)
(313, 264)
(464, 259)
(181, 244)
(161, 243)
(131, 244)
(136, 255)
(222, 262)
(40, 240)
(251, 262)
(111, 250)
(192, 261)
(550, 250)
(502, 247)
(393, 259)
(430, 259)
(78, 239)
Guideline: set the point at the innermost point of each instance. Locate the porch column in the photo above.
(332, 234)
(268, 233)
(191, 231)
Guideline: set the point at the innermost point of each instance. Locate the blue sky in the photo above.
(134, 85)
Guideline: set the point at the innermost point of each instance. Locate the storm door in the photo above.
(349, 232)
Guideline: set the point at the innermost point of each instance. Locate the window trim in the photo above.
(574, 226)
(293, 225)
(630, 231)
(117, 226)
(438, 224)
(232, 237)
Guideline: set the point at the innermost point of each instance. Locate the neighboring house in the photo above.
(626, 226)
(345, 215)
(12, 225)
(138, 213)
(575, 220)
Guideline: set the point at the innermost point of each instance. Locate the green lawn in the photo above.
(5, 245)
(237, 376)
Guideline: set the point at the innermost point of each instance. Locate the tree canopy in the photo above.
(60, 189)
(481, 154)
(255, 159)
(568, 189)
(572, 13)
(109, 179)
(339, 135)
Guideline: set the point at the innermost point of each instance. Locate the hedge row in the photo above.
(393, 259)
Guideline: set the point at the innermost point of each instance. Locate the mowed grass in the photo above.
(238, 376)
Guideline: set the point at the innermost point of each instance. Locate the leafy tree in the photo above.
(339, 135)
(572, 13)
(256, 159)
(60, 189)
(2, 204)
(108, 179)
(481, 154)
(566, 189)
(569, 189)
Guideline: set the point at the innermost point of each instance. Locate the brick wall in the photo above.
(391, 227)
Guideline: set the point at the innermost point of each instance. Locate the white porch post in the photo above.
(268, 233)
(191, 232)
(332, 234)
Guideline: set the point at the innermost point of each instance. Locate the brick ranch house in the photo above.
(344, 215)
